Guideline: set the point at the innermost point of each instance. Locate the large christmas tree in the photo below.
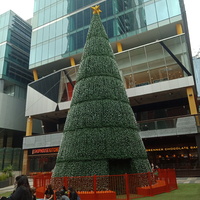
(101, 135)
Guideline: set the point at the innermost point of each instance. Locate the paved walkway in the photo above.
(188, 180)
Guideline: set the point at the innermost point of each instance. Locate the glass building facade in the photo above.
(156, 84)
(15, 36)
(60, 27)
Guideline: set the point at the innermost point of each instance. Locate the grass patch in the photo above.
(5, 194)
(189, 191)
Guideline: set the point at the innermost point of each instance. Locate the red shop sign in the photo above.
(45, 150)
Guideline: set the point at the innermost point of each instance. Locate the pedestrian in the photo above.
(63, 189)
(73, 194)
(22, 191)
(49, 193)
(15, 183)
(58, 195)
(152, 167)
(64, 196)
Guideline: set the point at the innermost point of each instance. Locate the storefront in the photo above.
(43, 159)
(177, 157)
(179, 152)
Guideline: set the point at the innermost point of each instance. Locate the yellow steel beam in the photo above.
(179, 29)
(191, 100)
(35, 75)
(72, 61)
(119, 47)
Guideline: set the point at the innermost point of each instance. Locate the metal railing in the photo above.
(111, 187)
(165, 123)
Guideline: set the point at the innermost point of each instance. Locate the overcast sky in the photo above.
(24, 8)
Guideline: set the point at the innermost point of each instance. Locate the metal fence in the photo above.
(111, 187)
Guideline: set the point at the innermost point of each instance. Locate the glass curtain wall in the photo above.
(15, 37)
(139, 66)
(151, 63)
(60, 27)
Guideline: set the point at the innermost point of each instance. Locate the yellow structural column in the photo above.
(25, 164)
(72, 61)
(29, 130)
(29, 126)
(119, 47)
(29, 123)
(179, 29)
(192, 102)
(35, 75)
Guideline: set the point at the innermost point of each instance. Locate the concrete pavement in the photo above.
(188, 180)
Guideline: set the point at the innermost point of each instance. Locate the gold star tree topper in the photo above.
(96, 9)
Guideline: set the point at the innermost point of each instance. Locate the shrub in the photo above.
(8, 171)
(3, 176)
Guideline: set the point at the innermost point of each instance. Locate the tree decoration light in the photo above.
(101, 135)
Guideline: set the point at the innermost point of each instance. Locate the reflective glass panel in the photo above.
(59, 27)
(109, 8)
(123, 60)
(32, 56)
(80, 36)
(51, 48)
(38, 53)
(46, 33)
(40, 18)
(45, 50)
(39, 35)
(47, 15)
(161, 10)
(58, 44)
(109, 28)
(59, 10)
(156, 62)
(79, 20)
(174, 7)
(141, 75)
(53, 12)
(87, 17)
(150, 14)
(52, 32)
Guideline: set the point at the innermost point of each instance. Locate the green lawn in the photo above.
(189, 191)
(5, 194)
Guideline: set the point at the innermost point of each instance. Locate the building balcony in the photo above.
(172, 126)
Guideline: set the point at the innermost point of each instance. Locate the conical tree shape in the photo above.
(100, 135)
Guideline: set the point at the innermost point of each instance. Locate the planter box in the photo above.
(7, 182)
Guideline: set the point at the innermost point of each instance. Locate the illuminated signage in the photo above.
(45, 150)
(172, 148)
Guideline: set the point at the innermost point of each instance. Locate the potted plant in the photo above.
(6, 177)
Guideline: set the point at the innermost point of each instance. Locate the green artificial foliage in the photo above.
(101, 135)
